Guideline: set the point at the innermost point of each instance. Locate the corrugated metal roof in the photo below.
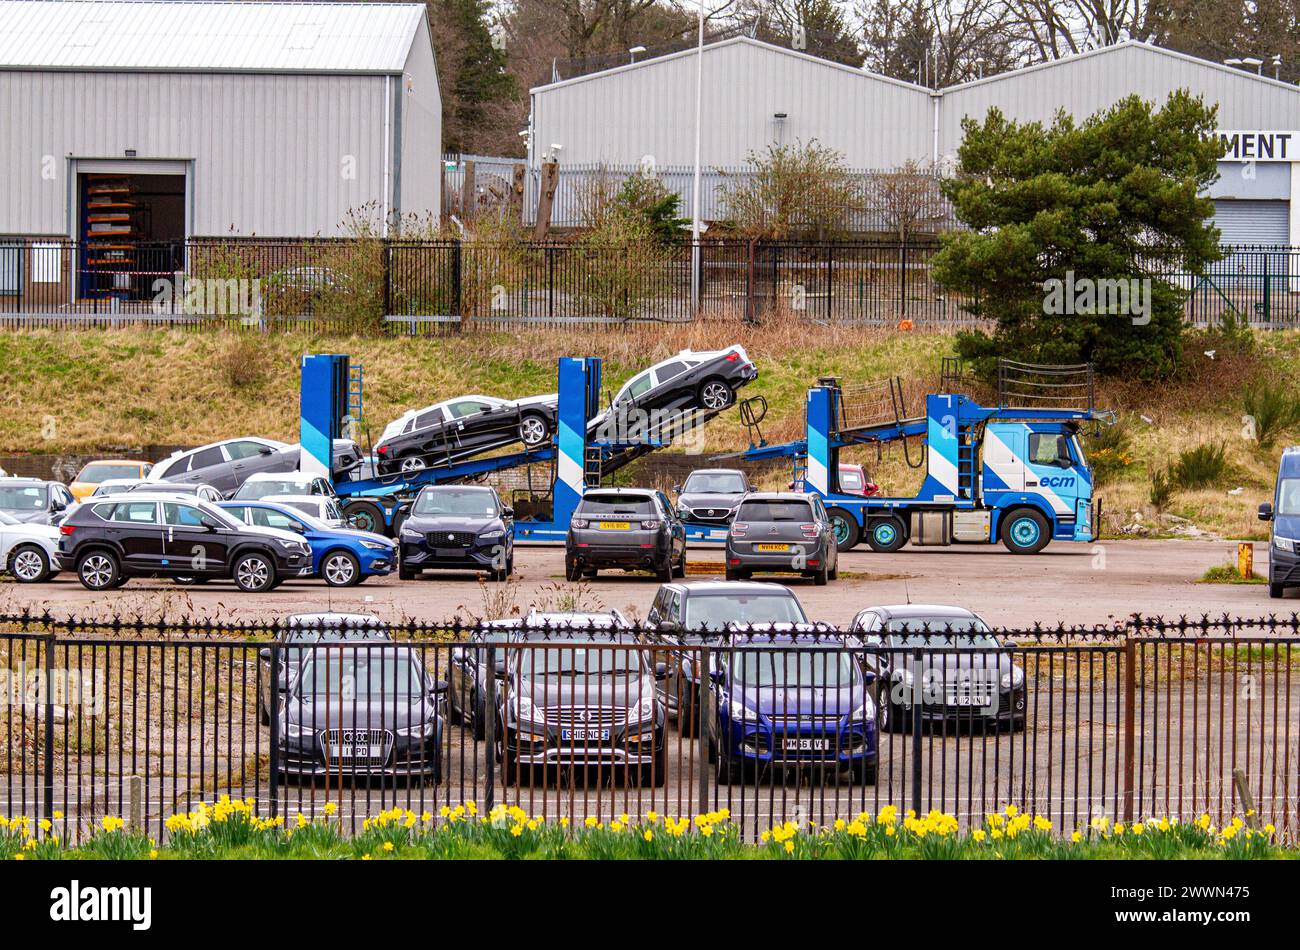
(202, 35)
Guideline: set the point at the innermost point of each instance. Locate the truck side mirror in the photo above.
(1266, 511)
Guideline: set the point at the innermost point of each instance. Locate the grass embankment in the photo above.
(108, 390)
(231, 829)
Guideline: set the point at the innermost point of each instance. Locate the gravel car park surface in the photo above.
(1072, 584)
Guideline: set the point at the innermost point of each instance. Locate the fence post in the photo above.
(701, 729)
(490, 730)
(1268, 312)
(135, 813)
(830, 277)
(1130, 714)
(902, 281)
(47, 753)
(456, 263)
(273, 714)
(916, 732)
(550, 283)
(388, 278)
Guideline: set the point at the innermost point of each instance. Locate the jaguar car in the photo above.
(461, 427)
(458, 528)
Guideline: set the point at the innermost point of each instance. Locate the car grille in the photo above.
(796, 721)
(718, 513)
(450, 539)
(383, 738)
(585, 715)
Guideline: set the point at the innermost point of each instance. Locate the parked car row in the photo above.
(588, 690)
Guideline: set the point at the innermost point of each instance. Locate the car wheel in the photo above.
(533, 429)
(834, 572)
(340, 569)
(254, 573)
(730, 772)
(189, 581)
(29, 564)
(886, 535)
(406, 575)
(572, 572)
(411, 463)
(847, 533)
(1025, 532)
(399, 518)
(731, 574)
(716, 395)
(822, 577)
(480, 722)
(364, 516)
(679, 570)
(664, 573)
(99, 570)
(654, 775)
(509, 768)
(1275, 590)
(864, 773)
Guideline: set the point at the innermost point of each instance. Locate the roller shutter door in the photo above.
(1252, 222)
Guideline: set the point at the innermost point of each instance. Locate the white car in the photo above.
(322, 507)
(27, 550)
(115, 486)
(265, 484)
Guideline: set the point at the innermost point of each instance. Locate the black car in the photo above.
(782, 532)
(462, 427)
(138, 535)
(631, 528)
(458, 528)
(581, 700)
(301, 630)
(359, 710)
(710, 495)
(34, 500)
(964, 675)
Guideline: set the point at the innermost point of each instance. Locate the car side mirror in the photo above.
(439, 687)
(57, 505)
(717, 677)
(668, 626)
(1012, 644)
(677, 489)
(661, 671)
(1266, 511)
(266, 450)
(507, 512)
(264, 654)
(209, 524)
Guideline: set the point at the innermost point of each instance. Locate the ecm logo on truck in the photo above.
(1014, 472)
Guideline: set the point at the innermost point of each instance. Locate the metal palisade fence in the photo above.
(1146, 720)
(424, 286)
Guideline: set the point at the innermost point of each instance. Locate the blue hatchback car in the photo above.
(790, 701)
(340, 556)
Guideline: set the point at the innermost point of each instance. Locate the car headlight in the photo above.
(1013, 680)
(375, 545)
(299, 546)
(642, 711)
(1284, 544)
(524, 711)
(293, 730)
(419, 730)
(866, 712)
(492, 535)
(409, 532)
(739, 712)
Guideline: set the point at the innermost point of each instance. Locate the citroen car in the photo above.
(785, 532)
(710, 495)
(458, 528)
(34, 500)
(340, 556)
(299, 634)
(164, 535)
(28, 551)
(463, 426)
(581, 700)
(791, 702)
(361, 710)
(629, 528)
(965, 674)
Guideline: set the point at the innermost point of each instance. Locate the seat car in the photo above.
(790, 701)
(33, 500)
(362, 710)
(1283, 517)
(704, 379)
(699, 612)
(226, 464)
(458, 528)
(583, 699)
(162, 535)
(301, 632)
(964, 675)
(199, 490)
(340, 556)
(93, 474)
(469, 669)
(458, 427)
(631, 528)
(710, 495)
(27, 551)
(782, 531)
(262, 484)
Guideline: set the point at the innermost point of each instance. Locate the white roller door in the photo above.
(1252, 222)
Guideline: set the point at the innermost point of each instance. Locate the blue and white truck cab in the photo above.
(1283, 515)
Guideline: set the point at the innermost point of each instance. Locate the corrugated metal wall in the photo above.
(273, 155)
(421, 131)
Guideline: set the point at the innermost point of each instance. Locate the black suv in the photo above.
(167, 536)
(458, 528)
(631, 528)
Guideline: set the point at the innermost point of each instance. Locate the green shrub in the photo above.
(1201, 467)
(1162, 489)
(1109, 450)
(1273, 409)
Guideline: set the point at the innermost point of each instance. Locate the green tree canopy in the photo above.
(1054, 211)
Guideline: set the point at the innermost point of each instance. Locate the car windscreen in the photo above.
(465, 503)
(768, 510)
(278, 486)
(715, 483)
(850, 481)
(360, 673)
(1288, 497)
(102, 473)
(803, 669)
(23, 497)
(310, 508)
(8, 519)
(578, 659)
(715, 611)
(334, 635)
(963, 633)
(630, 505)
(102, 490)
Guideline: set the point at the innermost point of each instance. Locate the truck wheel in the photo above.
(365, 516)
(847, 532)
(1025, 531)
(886, 535)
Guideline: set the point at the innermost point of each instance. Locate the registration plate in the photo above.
(772, 547)
(584, 735)
(449, 552)
(616, 526)
(969, 699)
(807, 744)
(358, 751)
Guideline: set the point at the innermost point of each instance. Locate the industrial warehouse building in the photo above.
(143, 122)
(756, 94)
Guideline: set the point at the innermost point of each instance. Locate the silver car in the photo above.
(784, 532)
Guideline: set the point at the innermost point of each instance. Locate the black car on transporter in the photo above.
(631, 528)
(362, 710)
(164, 535)
(458, 528)
(461, 427)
